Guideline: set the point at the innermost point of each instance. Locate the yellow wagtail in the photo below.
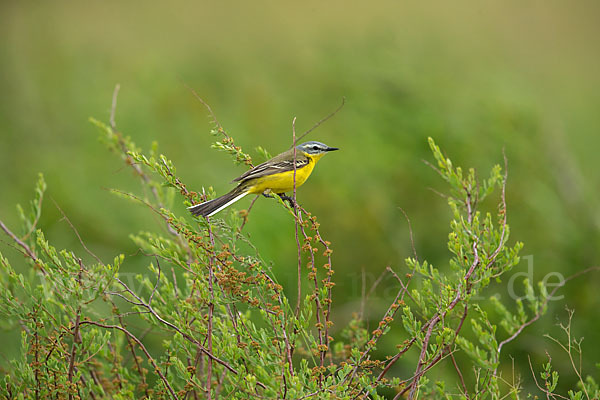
(274, 176)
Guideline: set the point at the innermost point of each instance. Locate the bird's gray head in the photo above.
(315, 148)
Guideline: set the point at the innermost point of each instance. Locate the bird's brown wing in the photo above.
(273, 166)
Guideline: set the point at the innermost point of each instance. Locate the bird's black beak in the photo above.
(332, 149)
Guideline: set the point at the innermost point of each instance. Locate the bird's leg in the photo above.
(268, 195)
(287, 198)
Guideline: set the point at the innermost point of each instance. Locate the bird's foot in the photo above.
(287, 198)
(283, 197)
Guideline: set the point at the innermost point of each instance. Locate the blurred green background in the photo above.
(478, 76)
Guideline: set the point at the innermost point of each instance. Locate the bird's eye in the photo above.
(315, 147)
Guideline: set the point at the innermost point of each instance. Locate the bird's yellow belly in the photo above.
(283, 182)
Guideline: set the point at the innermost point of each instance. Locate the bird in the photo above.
(273, 176)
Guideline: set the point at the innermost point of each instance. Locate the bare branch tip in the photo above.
(322, 120)
(113, 107)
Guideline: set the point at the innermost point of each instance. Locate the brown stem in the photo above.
(139, 343)
(138, 367)
(76, 338)
(27, 249)
(211, 307)
(169, 324)
(438, 317)
(299, 297)
(391, 312)
(460, 376)
(37, 362)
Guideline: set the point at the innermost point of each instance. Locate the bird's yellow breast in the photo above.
(284, 181)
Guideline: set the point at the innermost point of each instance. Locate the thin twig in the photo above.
(437, 359)
(76, 338)
(327, 283)
(76, 233)
(363, 294)
(542, 306)
(296, 213)
(405, 287)
(410, 232)
(460, 377)
(396, 358)
(37, 356)
(504, 214)
(439, 317)
(157, 282)
(391, 312)
(113, 107)
(129, 161)
(211, 307)
(323, 337)
(571, 343)
(546, 391)
(167, 323)
(418, 373)
(141, 345)
(248, 212)
(378, 281)
(139, 368)
(323, 120)
(27, 249)
(220, 383)
(210, 111)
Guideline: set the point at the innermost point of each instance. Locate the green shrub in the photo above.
(228, 330)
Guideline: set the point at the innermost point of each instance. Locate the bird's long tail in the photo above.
(211, 207)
